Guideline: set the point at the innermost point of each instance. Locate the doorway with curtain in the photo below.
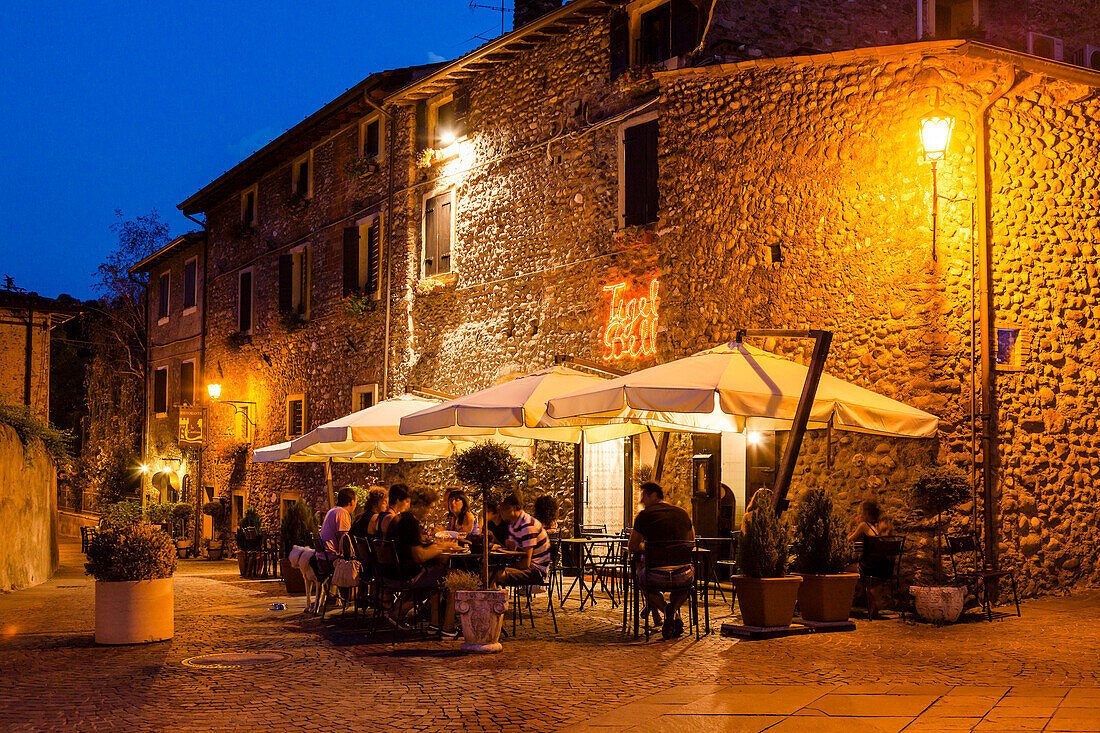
(604, 485)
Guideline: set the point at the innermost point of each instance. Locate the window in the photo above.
(295, 415)
(248, 207)
(187, 383)
(301, 176)
(160, 391)
(438, 233)
(244, 301)
(163, 292)
(190, 284)
(638, 171)
(364, 396)
(294, 282)
(363, 257)
(945, 19)
(443, 122)
(370, 138)
(242, 423)
(652, 33)
(1013, 347)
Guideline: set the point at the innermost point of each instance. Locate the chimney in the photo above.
(529, 10)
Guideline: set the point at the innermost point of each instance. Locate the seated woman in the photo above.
(761, 494)
(365, 524)
(459, 517)
(546, 511)
(869, 518)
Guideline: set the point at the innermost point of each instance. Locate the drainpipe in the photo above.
(197, 485)
(985, 274)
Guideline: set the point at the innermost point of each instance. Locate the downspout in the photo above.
(197, 488)
(390, 152)
(985, 274)
(28, 358)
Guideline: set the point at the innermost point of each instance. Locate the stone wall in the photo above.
(28, 512)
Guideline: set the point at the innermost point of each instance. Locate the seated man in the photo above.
(338, 521)
(525, 533)
(498, 527)
(664, 534)
(399, 502)
(418, 557)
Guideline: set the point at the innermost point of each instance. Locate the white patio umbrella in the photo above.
(513, 410)
(734, 387)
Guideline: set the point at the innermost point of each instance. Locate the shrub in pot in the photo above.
(122, 514)
(181, 520)
(939, 489)
(250, 541)
(821, 551)
(217, 511)
(133, 568)
(480, 612)
(160, 514)
(297, 528)
(764, 591)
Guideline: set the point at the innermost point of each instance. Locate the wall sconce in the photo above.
(446, 137)
(214, 390)
(935, 136)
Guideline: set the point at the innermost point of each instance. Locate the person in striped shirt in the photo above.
(525, 533)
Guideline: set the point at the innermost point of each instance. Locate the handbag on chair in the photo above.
(345, 573)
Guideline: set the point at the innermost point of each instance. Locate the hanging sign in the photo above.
(192, 428)
(631, 331)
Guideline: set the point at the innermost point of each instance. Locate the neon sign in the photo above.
(632, 323)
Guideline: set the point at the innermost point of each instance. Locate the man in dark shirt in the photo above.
(663, 533)
(417, 556)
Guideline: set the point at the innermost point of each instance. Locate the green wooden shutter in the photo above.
(286, 283)
(351, 260)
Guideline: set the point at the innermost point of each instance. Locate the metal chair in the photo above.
(880, 564)
(980, 573)
(86, 535)
(527, 592)
(730, 565)
(641, 586)
(394, 578)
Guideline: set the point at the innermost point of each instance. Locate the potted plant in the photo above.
(821, 550)
(181, 519)
(937, 490)
(121, 514)
(216, 510)
(480, 612)
(250, 543)
(132, 567)
(160, 514)
(764, 591)
(297, 528)
(484, 466)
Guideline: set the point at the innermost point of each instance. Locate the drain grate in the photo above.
(233, 660)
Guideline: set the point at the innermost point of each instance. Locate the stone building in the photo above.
(719, 167)
(26, 320)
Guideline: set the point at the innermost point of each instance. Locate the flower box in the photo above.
(428, 157)
(435, 284)
(639, 79)
(629, 237)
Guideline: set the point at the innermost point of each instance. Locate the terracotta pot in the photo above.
(827, 597)
(767, 601)
(134, 611)
(292, 577)
(482, 615)
(214, 551)
(183, 547)
(939, 604)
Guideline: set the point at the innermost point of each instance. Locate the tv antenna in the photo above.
(495, 8)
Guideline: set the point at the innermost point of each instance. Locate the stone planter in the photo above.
(827, 597)
(292, 577)
(482, 615)
(183, 547)
(767, 601)
(134, 611)
(939, 604)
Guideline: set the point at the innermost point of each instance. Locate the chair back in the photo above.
(966, 545)
(388, 562)
(687, 546)
(591, 530)
(881, 557)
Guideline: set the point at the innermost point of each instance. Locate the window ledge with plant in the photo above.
(358, 304)
(296, 206)
(639, 79)
(428, 157)
(435, 284)
(361, 167)
(635, 236)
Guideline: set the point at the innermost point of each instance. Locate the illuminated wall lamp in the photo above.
(935, 136)
(446, 138)
(215, 391)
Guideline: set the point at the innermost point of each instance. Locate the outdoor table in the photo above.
(498, 558)
(585, 546)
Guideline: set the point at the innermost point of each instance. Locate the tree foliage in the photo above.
(762, 552)
(820, 541)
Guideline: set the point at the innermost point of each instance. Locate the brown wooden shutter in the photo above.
(244, 302)
(351, 260)
(685, 26)
(431, 215)
(620, 43)
(187, 383)
(634, 158)
(286, 283)
(189, 284)
(443, 232)
(303, 282)
(421, 125)
(461, 106)
(160, 391)
(374, 256)
(652, 190)
(163, 293)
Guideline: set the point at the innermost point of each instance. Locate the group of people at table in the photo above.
(399, 515)
(662, 538)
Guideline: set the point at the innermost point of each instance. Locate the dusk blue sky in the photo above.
(137, 105)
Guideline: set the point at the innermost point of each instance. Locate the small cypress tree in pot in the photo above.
(821, 550)
(765, 592)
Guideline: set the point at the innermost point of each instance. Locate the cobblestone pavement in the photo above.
(1040, 670)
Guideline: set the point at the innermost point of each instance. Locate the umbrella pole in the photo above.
(484, 540)
(328, 483)
(822, 340)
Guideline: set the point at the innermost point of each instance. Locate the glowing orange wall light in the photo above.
(631, 331)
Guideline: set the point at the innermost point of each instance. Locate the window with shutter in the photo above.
(372, 138)
(295, 415)
(301, 182)
(286, 283)
(187, 383)
(639, 172)
(351, 260)
(160, 391)
(244, 302)
(619, 46)
(370, 253)
(163, 293)
(655, 44)
(363, 396)
(438, 218)
(443, 133)
(248, 207)
(461, 109)
(190, 282)
(421, 125)
(294, 282)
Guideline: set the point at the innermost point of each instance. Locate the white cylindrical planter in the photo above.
(134, 611)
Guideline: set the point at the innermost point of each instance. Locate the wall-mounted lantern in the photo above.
(935, 137)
